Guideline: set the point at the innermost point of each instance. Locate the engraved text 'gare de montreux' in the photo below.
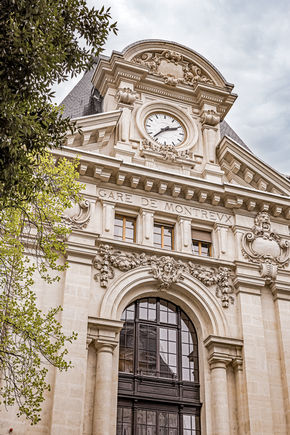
(164, 206)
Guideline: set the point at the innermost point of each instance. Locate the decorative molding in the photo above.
(210, 117)
(166, 152)
(165, 269)
(79, 215)
(126, 96)
(171, 66)
(265, 247)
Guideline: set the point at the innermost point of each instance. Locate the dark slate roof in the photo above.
(84, 100)
(226, 130)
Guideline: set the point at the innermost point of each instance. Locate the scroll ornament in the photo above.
(171, 66)
(265, 247)
(165, 269)
(78, 216)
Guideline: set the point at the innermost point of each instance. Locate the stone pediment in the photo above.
(243, 168)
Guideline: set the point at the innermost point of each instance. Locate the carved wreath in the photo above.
(265, 247)
(165, 269)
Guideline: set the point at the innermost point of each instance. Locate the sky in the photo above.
(247, 41)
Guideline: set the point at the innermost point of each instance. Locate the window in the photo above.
(201, 243)
(158, 371)
(125, 228)
(163, 236)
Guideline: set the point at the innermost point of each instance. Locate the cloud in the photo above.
(247, 41)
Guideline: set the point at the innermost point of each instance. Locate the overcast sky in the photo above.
(248, 41)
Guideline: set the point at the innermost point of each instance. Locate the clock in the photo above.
(165, 129)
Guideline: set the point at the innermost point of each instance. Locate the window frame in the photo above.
(163, 225)
(200, 236)
(182, 396)
(125, 218)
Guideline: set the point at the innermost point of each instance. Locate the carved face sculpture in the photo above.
(165, 129)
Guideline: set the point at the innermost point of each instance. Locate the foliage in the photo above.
(39, 46)
(30, 338)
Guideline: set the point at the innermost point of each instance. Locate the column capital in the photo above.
(223, 351)
(104, 333)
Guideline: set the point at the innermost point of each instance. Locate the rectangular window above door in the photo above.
(201, 243)
(125, 228)
(163, 236)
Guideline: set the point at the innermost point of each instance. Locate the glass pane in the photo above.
(147, 349)
(205, 249)
(126, 357)
(128, 313)
(195, 249)
(124, 421)
(167, 357)
(147, 309)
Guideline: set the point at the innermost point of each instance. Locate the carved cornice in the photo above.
(172, 67)
(165, 269)
(265, 247)
(106, 169)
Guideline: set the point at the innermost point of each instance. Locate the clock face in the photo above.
(165, 129)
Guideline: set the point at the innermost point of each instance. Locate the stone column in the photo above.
(220, 404)
(243, 423)
(106, 339)
(222, 352)
(103, 388)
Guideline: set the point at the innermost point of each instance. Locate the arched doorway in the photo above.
(158, 371)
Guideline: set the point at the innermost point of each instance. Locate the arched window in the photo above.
(158, 371)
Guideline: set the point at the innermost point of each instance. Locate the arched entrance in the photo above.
(158, 371)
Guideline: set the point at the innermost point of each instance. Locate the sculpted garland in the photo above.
(165, 269)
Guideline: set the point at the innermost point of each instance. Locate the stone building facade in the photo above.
(178, 283)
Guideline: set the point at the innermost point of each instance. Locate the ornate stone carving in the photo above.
(166, 152)
(165, 269)
(172, 67)
(263, 246)
(78, 216)
(126, 96)
(210, 117)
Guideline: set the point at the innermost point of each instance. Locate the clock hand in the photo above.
(167, 128)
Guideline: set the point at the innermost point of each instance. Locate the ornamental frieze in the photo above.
(265, 247)
(172, 67)
(165, 269)
(166, 152)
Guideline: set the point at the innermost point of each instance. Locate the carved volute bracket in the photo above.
(79, 215)
(126, 96)
(165, 269)
(265, 247)
(210, 118)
